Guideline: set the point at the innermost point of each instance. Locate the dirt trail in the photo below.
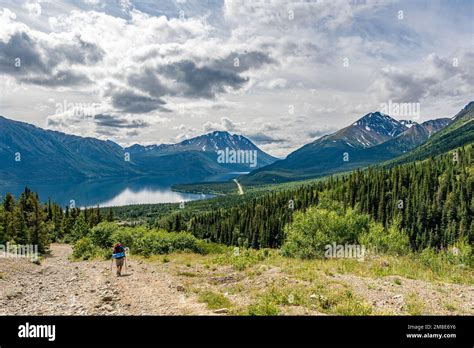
(239, 186)
(61, 287)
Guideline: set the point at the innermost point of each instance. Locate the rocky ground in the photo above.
(171, 285)
(61, 287)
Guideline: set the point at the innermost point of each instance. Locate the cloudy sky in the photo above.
(280, 72)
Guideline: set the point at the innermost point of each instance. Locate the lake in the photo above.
(114, 192)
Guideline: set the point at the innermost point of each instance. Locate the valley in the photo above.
(259, 248)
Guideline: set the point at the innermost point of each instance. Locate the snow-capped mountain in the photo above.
(373, 138)
(408, 123)
(206, 147)
(216, 141)
(208, 144)
(345, 148)
(379, 125)
(48, 155)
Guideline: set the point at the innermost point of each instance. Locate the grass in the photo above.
(414, 305)
(214, 300)
(377, 266)
(266, 283)
(451, 307)
(318, 298)
(243, 259)
(261, 308)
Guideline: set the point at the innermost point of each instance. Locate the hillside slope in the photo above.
(458, 133)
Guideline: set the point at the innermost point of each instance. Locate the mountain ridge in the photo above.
(358, 145)
(47, 154)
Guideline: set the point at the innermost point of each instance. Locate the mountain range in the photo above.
(27, 151)
(374, 138)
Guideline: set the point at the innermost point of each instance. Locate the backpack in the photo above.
(119, 251)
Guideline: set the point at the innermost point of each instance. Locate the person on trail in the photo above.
(119, 256)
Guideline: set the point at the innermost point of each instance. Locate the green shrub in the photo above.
(460, 253)
(84, 249)
(80, 229)
(127, 236)
(439, 261)
(311, 231)
(391, 241)
(161, 242)
(206, 247)
(143, 241)
(101, 235)
(430, 258)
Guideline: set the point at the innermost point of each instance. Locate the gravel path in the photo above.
(61, 287)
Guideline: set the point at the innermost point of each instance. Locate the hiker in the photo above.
(119, 256)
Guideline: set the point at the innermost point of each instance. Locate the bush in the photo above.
(80, 228)
(440, 260)
(162, 242)
(84, 249)
(210, 248)
(311, 231)
(460, 253)
(101, 235)
(143, 241)
(127, 236)
(393, 241)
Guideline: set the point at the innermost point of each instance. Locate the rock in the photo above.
(108, 308)
(107, 298)
(221, 311)
(313, 296)
(13, 295)
(180, 288)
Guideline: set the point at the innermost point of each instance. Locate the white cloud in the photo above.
(438, 77)
(142, 63)
(33, 7)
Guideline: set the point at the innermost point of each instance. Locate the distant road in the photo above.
(241, 191)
